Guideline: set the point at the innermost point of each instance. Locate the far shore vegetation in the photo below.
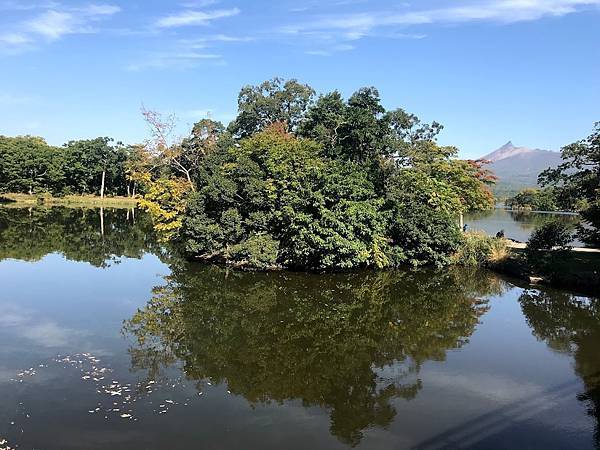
(75, 201)
(300, 181)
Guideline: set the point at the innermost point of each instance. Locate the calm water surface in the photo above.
(517, 225)
(108, 340)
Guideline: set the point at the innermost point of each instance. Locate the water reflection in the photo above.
(570, 324)
(97, 236)
(517, 225)
(348, 343)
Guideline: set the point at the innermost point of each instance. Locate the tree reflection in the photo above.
(96, 236)
(570, 324)
(349, 343)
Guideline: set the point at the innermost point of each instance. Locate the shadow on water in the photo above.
(96, 236)
(324, 340)
(567, 324)
(570, 324)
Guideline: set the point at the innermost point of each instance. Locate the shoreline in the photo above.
(578, 272)
(75, 201)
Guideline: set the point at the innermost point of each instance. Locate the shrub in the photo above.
(546, 244)
(479, 249)
(425, 235)
(548, 236)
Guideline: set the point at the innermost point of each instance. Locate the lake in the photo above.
(517, 225)
(109, 340)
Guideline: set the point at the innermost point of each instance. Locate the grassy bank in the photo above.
(74, 201)
(575, 271)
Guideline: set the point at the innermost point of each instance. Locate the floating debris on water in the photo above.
(127, 394)
(4, 445)
(118, 398)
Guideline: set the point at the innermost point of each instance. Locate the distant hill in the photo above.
(519, 167)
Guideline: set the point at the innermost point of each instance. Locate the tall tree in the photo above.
(578, 178)
(270, 102)
(28, 164)
(94, 166)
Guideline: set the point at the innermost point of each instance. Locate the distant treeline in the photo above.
(545, 199)
(29, 165)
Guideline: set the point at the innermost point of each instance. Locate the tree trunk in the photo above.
(102, 184)
(128, 191)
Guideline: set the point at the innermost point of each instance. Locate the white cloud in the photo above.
(199, 3)
(192, 17)
(19, 5)
(175, 60)
(16, 39)
(357, 25)
(53, 23)
(26, 324)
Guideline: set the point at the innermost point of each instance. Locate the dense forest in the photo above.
(98, 166)
(533, 199)
(298, 181)
(327, 183)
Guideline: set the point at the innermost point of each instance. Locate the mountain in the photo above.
(519, 167)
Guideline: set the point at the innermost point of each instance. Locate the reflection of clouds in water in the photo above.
(493, 387)
(6, 375)
(42, 332)
(48, 334)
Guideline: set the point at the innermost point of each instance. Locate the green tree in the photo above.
(28, 164)
(324, 121)
(95, 166)
(578, 177)
(319, 213)
(422, 218)
(272, 101)
(536, 199)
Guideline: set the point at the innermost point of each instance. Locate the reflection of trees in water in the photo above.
(527, 220)
(531, 220)
(91, 235)
(323, 339)
(570, 324)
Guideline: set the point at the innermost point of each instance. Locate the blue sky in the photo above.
(489, 70)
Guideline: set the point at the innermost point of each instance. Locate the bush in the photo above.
(546, 244)
(479, 249)
(548, 236)
(425, 235)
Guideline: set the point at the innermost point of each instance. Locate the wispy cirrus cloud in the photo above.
(51, 22)
(190, 17)
(179, 59)
(186, 53)
(360, 24)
